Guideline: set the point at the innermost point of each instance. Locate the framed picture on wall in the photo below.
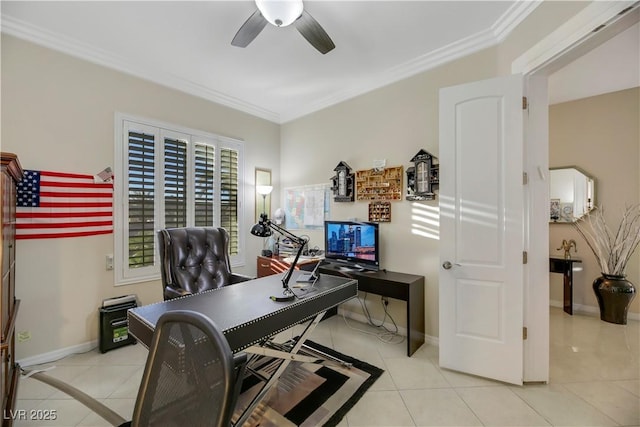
(566, 212)
(555, 210)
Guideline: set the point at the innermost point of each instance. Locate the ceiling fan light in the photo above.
(280, 12)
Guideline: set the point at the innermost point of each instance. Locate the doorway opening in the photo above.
(596, 24)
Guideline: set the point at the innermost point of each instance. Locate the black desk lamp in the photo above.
(265, 228)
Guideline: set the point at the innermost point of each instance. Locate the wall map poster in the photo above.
(306, 206)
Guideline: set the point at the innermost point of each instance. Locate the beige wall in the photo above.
(393, 123)
(58, 114)
(600, 135)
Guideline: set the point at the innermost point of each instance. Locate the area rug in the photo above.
(308, 394)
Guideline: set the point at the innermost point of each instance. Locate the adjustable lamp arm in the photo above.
(299, 240)
(264, 228)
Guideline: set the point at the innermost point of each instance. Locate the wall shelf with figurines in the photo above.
(423, 178)
(380, 212)
(342, 183)
(379, 184)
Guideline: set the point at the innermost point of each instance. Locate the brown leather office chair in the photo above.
(191, 377)
(195, 259)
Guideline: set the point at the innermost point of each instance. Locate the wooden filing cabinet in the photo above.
(10, 175)
(268, 266)
(264, 266)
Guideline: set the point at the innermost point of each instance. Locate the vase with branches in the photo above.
(613, 248)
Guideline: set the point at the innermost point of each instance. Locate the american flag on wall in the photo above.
(55, 204)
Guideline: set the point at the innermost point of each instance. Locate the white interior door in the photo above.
(481, 229)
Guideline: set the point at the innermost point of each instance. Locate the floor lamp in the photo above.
(264, 190)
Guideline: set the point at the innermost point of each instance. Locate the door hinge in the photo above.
(524, 257)
(524, 333)
(525, 103)
(525, 178)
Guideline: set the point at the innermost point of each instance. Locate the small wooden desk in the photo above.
(565, 266)
(402, 286)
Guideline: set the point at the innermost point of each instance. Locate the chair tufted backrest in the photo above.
(194, 259)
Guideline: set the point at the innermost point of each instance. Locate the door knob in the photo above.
(447, 265)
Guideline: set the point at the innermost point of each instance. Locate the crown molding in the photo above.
(513, 17)
(467, 46)
(410, 68)
(79, 49)
(471, 44)
(576, 30)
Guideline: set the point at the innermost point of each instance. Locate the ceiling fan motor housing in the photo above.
(280, 12)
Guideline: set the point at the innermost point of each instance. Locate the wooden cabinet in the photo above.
(11, 174)
(386, 184)
(268, 266)
(264, 266)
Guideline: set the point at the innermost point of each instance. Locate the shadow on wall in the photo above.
(425, 221)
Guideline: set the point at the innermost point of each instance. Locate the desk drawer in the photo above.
(267, 266)
(264, 267)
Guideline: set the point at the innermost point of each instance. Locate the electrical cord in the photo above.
(60, 358)
(387, 335)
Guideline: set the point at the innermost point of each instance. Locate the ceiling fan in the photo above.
(282, 13)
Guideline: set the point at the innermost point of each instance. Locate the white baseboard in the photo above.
(590, 310)
(52, 356)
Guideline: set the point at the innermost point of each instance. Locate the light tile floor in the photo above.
(594, 381)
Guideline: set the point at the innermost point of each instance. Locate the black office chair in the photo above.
(191, 377)
(195, 259)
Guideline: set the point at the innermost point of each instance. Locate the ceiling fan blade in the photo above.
(314, 33)
(249, 30)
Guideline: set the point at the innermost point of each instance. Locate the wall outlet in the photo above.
(24, 336)
(109, 262)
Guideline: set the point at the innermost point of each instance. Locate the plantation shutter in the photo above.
(229, 196)
(171, 177)
(204, 185)
(141, 199)
(175, 183)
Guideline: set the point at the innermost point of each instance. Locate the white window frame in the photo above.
(123, 123)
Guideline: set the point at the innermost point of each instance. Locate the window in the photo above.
(171, 177)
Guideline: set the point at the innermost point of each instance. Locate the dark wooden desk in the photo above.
(401, 286)
(565, 266)
(247, 316)
(244, 311)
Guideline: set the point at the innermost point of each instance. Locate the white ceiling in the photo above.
(279, 76)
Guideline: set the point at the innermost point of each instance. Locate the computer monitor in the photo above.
(352, 244)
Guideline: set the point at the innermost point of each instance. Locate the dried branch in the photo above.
(612, 250)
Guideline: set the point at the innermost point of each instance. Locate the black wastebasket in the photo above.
(114, 326)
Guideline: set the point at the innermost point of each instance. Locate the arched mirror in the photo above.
(572, 194)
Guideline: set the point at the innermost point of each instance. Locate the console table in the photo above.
(565, 266)
(401, 286)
